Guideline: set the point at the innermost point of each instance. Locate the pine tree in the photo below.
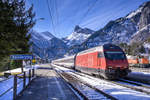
(16, 22)
(24, 22)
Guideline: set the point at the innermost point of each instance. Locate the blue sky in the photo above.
(66, 14)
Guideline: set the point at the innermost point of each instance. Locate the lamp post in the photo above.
(40, 19)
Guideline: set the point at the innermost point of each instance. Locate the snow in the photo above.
(19, 86)
(27, 68)
(138, 87)
(147, 45)
(142, 29)
(7, 96)
(119, 92)
(43, 35)
(77, 38)
(75, 92)
(134, 13)
(18, 70)
(5, 85)
(8, 83)
(90, 93)
(47, 35)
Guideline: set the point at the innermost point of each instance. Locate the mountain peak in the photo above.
(78, 36)
(139, 10)
(146, 4)
(77, 28)
(45, 45)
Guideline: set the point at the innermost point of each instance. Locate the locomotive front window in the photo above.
(112, 55)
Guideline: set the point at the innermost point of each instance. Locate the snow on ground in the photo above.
(27, 68)
(147, 45)
(8, 84)
(120, 92)
(18, 70)
(138, 87)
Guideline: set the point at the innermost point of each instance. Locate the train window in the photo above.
(100, 54)
(113, 55)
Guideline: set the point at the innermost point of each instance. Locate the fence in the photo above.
(12, 87)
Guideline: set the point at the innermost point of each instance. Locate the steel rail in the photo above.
(88, 85)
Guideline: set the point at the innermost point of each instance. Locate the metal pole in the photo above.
(29, 75)
(15, 87)
(24, 80)
(33, 72)
(22, 67)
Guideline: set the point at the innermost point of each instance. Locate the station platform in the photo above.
(47, 86)
(145, 78)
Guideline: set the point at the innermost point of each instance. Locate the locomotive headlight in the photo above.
(125, 66)
(110, 67)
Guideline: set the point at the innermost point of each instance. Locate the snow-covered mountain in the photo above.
(134, 27)
(143, 34)
(125, 29)
(78, 36)
(45, 45)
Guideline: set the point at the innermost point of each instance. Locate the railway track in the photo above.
(141, 88)
(132, 85)
(137, 86)
(85, 90)
(136, 83)
(137, 80)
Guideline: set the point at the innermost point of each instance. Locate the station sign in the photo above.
(21, 57)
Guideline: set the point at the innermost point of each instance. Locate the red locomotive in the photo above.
(108, 61)
(138, 61)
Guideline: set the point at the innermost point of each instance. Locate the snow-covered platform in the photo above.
(47, 86)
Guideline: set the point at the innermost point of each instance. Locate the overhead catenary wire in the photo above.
(73, 23)
(50, 13)
(87, 12)
(107, 17)
(57, 15)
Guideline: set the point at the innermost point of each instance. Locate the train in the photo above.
(108, 61)
(138, 61)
